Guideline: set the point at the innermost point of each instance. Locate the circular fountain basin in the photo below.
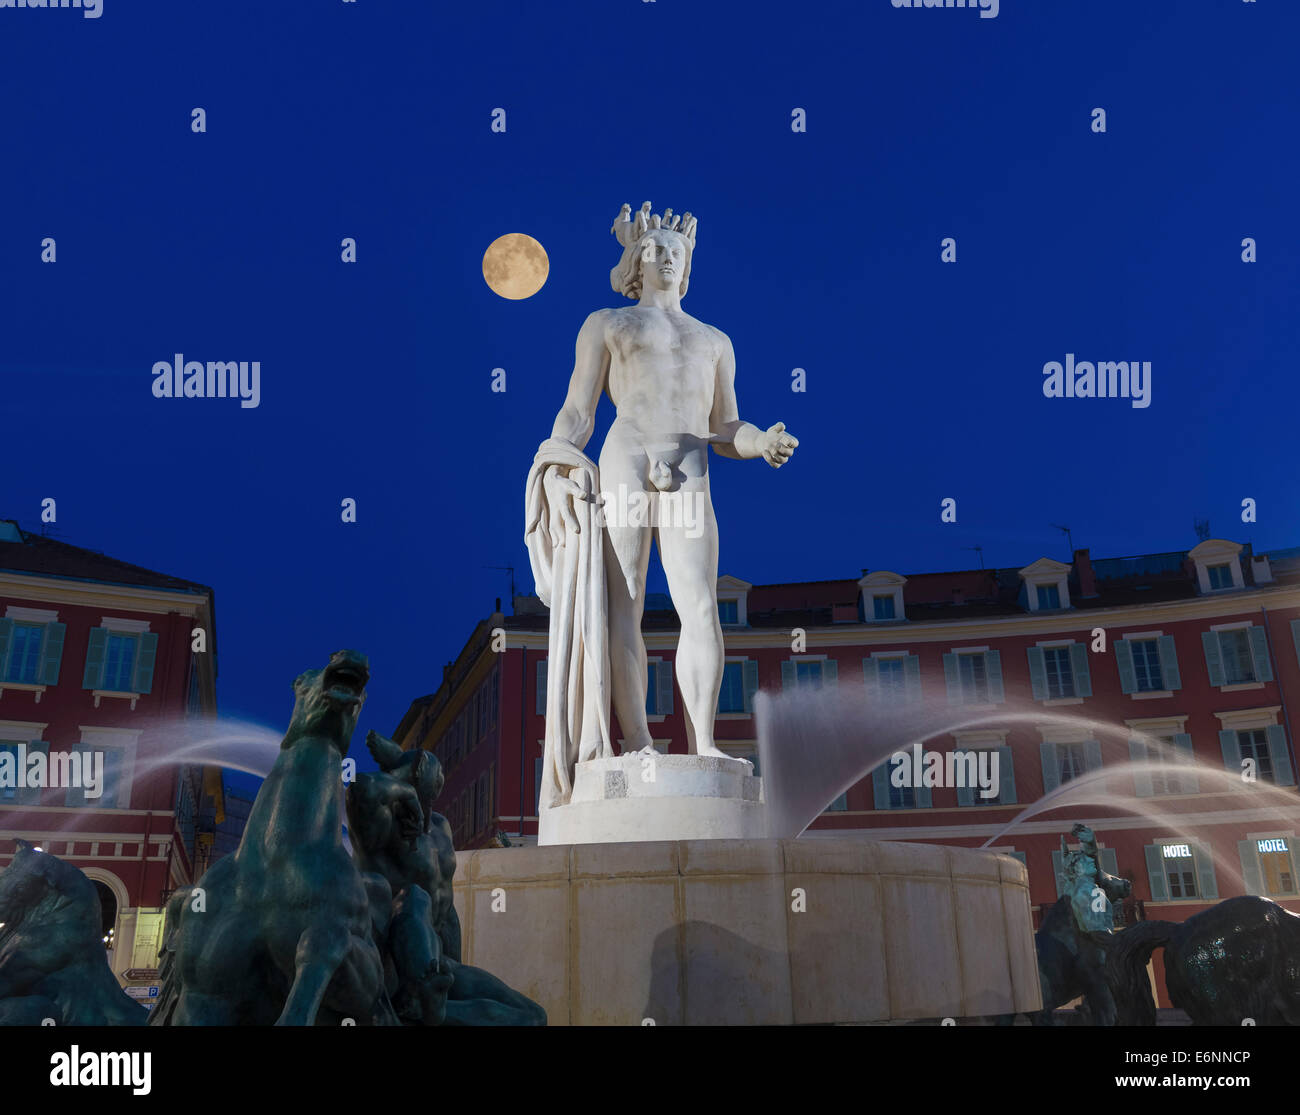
(751, 932)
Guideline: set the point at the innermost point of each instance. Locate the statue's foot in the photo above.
(712, 751)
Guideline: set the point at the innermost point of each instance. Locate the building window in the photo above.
(1164, 781)
(1049, 597)
(890, 677)
(840, 804)
(1179, 874)
(1071, 761)
(24, 652)
(1253, 744)
(659, 688)
(1180, 871)
(1275, 866)
(729, 611)
(1146, 665)
(119, 663)
(972, 674)
(1220, 576)
(883, 607)
(809, 673)
(731, 697)
(901, 797)
(971, 793)
(1060, 679)
(1238, 662)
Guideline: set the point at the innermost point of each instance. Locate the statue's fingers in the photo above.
(790, 440)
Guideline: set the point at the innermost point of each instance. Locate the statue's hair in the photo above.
(632, 232)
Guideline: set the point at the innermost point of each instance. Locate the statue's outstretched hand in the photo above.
(778, 446)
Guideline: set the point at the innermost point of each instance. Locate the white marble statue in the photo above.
(671, 379)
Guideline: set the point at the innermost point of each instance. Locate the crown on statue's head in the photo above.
(629, 229)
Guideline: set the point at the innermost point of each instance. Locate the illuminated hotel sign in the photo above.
(1177, 851)
(1277, 844)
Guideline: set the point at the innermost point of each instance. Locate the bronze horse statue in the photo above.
(280, 931)
(53, 964)
(1239, 959)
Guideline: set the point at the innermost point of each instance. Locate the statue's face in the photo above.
(329, 700)
(663, 260)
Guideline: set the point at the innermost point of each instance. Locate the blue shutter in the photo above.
(1107, 861)
(1037, 672)
(1156, 879)
(830, 672)
(1079, 668)
(912, 677)
(1124, 661)
(751, 683)
(1058, 869)
(31, 795)
(880, 786)
(1186, 754)
(1137, 753)
(1252, 878)
(1213, 657)
(951, 678)
(788, 680)
(1006, 776)
(1051, 768)
(1169, 674)
(146, 655)
(1206, 883)
(95, 655)
(664, 689)
(6, 630)
(871, 679)
(1259, 654)
(923, 796)
(51, 653)
(1295, 637)
(541, 687)
(1092, 754)
(1277, 750)
(1231, 755)
(993, 672)
(965, 794)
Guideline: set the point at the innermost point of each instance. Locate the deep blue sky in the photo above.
(821, 251)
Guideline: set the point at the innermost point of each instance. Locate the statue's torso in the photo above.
(662, 372)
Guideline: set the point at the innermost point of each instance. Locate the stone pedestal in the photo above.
(647, 796)
(752, 932)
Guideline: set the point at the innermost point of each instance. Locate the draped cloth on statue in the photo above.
(570, 580)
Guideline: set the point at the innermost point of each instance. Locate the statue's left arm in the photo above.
(732, 436)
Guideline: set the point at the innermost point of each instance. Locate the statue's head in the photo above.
(420, 769)
(328, 702)
(657, 251)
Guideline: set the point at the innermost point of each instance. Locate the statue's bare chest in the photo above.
(655, 337)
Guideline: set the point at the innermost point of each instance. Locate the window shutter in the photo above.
(1079, 668)
(923, 796)
(1213, 657)
(840, 804)
(830, 672)
(880, 786)
(6, 629)
(95, 654)
(1107, 861)
(1282, 772)
(965, 794)
(1295, 637)
(1231, 755)
(1169, 674)
(993, 672)
(1156, 879)
(1037, 672)
(1137, 753)
(1252, 878)
(51, 653)
(1058, 869)
(1051, 768)
(144, 662)
(951, 678)
(1124, 662)
(664, 689)
(787, 674)
(1092, 754)
(1259, 654)
(751, 683)
(541, 687)
(871, 677)
(1206, 883)
(537, 784)
(1189, 783)
(912, 677)
(1006, 777)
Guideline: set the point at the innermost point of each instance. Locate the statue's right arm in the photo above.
(577, 419)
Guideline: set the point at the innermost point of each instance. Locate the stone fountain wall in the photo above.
(751, 932)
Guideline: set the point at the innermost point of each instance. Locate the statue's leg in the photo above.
(627, 544)
(321, 949)
(689, 551)
(478, 998)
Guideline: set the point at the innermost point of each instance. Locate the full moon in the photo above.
(515, 265)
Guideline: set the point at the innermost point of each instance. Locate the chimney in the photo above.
(1083, 567)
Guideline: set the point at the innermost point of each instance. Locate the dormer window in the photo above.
(1047, 585)
(1218, 565)
(1049, 598)
(882, 597)
(882, 607)
(733, 602)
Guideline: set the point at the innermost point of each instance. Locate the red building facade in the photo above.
(1072, 668)
(99, 661)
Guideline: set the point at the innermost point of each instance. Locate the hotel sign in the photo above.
(1177, 851)
(1276, 844)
